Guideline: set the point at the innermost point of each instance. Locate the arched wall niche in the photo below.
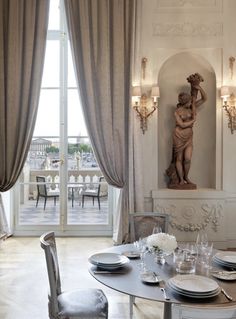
(172, 80)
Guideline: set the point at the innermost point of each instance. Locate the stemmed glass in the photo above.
(207, 254)
(157, 229)
(141, 246)
(202, 239)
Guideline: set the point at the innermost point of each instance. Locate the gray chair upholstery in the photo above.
(94, 193)
(44, 192)
(142, 224)
(77, 304)
(196, 312)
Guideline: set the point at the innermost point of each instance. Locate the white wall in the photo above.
(168, 31)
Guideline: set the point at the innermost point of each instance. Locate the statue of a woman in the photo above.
(185, 117)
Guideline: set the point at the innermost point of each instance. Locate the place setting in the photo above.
(226, 259)
(194, 286)
(108, 262)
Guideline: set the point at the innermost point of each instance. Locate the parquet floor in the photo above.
(24, 282)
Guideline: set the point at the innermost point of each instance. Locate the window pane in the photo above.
(51, 64)
(48, 114)
(54, 15)
(80, 154)
(71, 72)
(76, 125)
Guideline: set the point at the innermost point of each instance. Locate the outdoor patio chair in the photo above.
(44, 192)
(94, 193)
(74, 304)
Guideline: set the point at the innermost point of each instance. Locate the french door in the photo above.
(60, 153)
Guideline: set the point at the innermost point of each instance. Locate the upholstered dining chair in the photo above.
(76, 304)
(142, 224)
(191, 312)
(43, 191)
(95, 193)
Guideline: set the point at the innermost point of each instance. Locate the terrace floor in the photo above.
(89, 214)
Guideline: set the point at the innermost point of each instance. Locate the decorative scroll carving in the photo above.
(187, 3)
(187, 29)
(210, 214)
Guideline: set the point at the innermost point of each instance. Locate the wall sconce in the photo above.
(229, 106)
(140, 104)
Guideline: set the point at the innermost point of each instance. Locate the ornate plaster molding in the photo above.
(184, 221)
(187, 29)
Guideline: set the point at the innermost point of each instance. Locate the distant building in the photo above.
(39, 145)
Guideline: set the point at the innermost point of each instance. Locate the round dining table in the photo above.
(127, 280)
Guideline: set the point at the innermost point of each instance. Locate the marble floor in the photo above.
(24, 282)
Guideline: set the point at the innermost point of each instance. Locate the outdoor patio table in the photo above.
(128, 281)
(73, 187)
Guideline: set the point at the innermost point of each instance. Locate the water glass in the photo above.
(185, 262)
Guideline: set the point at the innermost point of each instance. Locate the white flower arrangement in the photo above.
(162, 242)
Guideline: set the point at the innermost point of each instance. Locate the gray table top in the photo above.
(129, 282)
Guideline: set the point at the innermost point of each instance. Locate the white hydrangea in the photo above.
(162, 241)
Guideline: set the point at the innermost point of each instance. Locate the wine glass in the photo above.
(157, 229)
(202, 239)
(207, 254)
(141, 246)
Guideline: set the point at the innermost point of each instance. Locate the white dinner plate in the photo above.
(132, 254)
(223, 263)
(194, 295)
(150, 278)
(194, 284)
(226, 256)
(224, 275)
(108, 259)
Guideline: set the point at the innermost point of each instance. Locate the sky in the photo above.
(48, 118)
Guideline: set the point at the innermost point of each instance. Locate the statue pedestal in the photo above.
(193, 210)
(182, 186)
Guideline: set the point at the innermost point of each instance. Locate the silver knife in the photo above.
(107, 272)
(227, 295)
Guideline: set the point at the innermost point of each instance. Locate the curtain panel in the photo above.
(23, 31)
(102, 36)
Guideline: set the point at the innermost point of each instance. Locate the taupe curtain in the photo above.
(102, 34)
(23, 30)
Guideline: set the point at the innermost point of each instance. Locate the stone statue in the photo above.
(185, 117)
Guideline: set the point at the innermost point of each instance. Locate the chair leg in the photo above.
(93, 201)
(45, 201)
(99, 202)
(82, 201)
(37, 201)
(55, 200)
(131, 302)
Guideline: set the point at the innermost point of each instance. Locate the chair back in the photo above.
(99, 185)
(42, 188)
(192, 312)
(142, 224)
(48, 244)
